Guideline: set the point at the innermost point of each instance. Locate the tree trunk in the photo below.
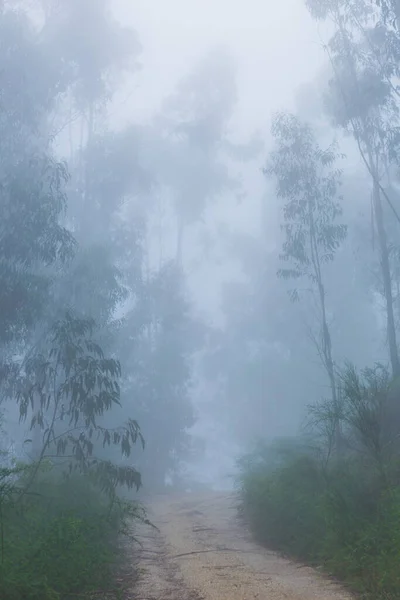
(396, 9)
(326, 337)
(387, 280)
(179, 242)
(37, 442)
(362, 137)
(330, 366)
(87, 215)
(71, 134)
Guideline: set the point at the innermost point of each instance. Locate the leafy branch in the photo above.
(69, 379)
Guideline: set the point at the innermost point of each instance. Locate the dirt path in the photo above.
(202, 552)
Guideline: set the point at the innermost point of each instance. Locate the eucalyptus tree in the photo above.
(161, 335)
(97, 49)
(308, 182)
(247, 360)
(66, 384)
(52, 367)
(192, 128)
(363, 100)
(32, 182)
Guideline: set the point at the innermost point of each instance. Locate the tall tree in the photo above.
(248, 359)
(96, 59)
(308, 183)
(363, 100)
(193, 125)
(161, 335)
(32, 182)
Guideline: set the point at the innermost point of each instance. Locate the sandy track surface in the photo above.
(203, 552)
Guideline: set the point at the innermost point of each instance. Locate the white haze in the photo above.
(277, 49)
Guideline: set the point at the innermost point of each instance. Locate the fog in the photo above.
(176, 34)
(166, 222)
(199, 297)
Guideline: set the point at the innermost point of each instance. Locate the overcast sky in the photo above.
(277, 47)
(276, 44)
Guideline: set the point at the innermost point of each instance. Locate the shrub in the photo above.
(343, 513)
(60, 516)
(268, 501)
(59, 540)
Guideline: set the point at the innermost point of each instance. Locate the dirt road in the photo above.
(203, 552)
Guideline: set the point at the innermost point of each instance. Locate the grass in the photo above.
(59, 541)
(341, 509)
(338, 516)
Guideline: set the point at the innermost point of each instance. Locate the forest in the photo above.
(181, 305)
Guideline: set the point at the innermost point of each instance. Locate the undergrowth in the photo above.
(338, 510)
(60, 540)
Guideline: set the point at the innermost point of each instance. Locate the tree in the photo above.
(67, 384)
(248, 359)
(32, 181)
(191, 131)
(95, 60)
(308, 183)
(52, 364)
(363, 100)
(160, 337)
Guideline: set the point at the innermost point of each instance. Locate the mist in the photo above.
(175, 38)
(199, 266)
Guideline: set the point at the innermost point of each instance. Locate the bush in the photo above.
(268, 494)
(343, 513)
(59, 540)
(332, 520)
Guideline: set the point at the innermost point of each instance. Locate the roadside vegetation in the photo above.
(62, 539)
(331, 497)
(338, 510)
(108, 213)
(95, 338)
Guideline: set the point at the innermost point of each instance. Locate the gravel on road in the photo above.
(201, 551)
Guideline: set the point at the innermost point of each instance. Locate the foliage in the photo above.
(66, 388)
(308, 183)
(343, 513)
(97, 56)
(32, 181)
(60, 515)
(158, 370)
(61, 540)
(363, 99)
(249, 357)
(193, 140)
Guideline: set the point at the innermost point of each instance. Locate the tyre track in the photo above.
(202, 552)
